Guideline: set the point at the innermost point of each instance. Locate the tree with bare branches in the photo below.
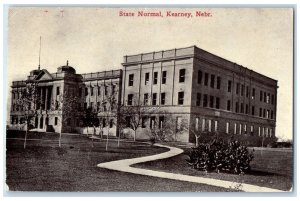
(27, 103)
(135, 113)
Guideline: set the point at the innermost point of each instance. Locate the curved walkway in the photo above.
(124, 166)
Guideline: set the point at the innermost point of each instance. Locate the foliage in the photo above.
(218, 156)
(90, 117)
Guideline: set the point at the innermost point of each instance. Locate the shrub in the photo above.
(219, 156)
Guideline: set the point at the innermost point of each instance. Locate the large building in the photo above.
(207, 92)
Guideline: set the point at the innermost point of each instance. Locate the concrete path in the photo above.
(124, 166)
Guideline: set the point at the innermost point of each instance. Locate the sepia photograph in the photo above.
(149, 99)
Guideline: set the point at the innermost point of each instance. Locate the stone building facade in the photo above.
(63, 96)
(206, 92)
(210, 93)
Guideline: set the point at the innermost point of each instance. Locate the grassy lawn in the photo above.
(43, 166)
(271, 169)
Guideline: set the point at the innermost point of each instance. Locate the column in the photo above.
(41, 99)
(46, 98)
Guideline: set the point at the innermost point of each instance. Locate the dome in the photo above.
(66, 68)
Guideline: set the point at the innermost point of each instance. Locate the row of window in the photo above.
(99, 107)
(265, 113)
(155, 77)
(208, 101)
(213, 79)
(237, 128)
(265, 97)
(90, 90)
(131, 99)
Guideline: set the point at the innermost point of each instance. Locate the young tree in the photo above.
(110, 110)
(27, 103)
(90, 118)
(163, 128)
(134, 114)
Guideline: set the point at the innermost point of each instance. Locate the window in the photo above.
(105, 90)
(98, 106)
(203, 124)
(144, 120)
(180, 98)
(264, 113)
(268, 98)
(86, 91)
(229, 86)
(146, 99)
(218, 82)
(228, 105)
(164, 77)
(181, 75)
(247, 109)
(92, 105)
(198, 101)
(265, 97)
(104, 107)
(55, 121)
(216, 126)
(113, 89)
(268, 114)
(163, 98)
(259, 131)
(152, 122)
(199, 76)
(227, 127)
(260, 112)
(57, 91)
(209, 125)
(234, 132)
(272, 114)
(197, 124)
(92, 91)
(205, 101)
(272, 99)
(251, 130)
(155, 78)
(240, 130)
(85, 105)
(261, 96)
(130, 99)
(111, 123)
(247, 91)
(130, 81)
(212, 81)
(237, 88)
(253, 110)
(217, 102)
(146, 78)
(245, 129)
(161, 120)
(206, 79)
(242, 90)
(211, 101)
(99, 91)
(253, 93)
(242, 107)
(236, 107)
(104, 122)
(154, 98)
(271, 132)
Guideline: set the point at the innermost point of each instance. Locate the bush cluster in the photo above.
(218, 156)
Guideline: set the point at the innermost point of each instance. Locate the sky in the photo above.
(95, 39)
